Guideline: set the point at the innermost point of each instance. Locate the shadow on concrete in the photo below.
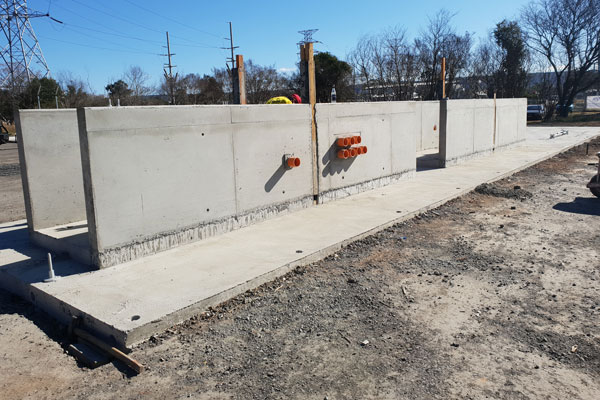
(69, 227)
(33, 266)
(428, 161)
(277, 175)
(334, 165)
(581, 205)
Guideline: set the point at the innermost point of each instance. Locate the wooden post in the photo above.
(443, 78)
(239, 81)
(494, 143)
(309, 92)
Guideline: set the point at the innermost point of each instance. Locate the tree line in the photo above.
(558, 39)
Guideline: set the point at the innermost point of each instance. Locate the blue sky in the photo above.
(99, 40)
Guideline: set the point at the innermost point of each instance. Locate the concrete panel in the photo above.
(429, 137)
(483, 125)
(387, 129)
(179, 180)
(467, 127)
(50, 167)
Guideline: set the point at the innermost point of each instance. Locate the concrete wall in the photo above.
(428, 115)
(387, 129)
(158, 177)
(511, 121)
(468, 127)
(50, 167)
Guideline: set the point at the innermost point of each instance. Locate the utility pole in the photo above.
(21, 49)
(170, 80)
(231, 60)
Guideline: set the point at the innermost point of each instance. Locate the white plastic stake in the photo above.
(51, 276)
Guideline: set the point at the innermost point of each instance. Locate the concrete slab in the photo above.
(129, 302)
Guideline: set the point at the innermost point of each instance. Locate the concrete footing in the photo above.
(129, 302)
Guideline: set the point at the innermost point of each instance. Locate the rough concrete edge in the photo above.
(171, 239)
(59, 310)
(142, 333)
(340, 193)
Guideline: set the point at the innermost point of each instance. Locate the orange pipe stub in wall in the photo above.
(293, 162)
(364, 149)
(358, 139)
(341, 142)
(343, 154)
(352, 140)
(359, 150)
(353, 152)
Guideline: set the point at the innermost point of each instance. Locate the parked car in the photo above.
(560, 106)
(536, 111)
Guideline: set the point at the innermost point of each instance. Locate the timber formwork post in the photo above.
(239, 81)
(309, 91)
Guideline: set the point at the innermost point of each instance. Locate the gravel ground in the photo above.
(493, 295)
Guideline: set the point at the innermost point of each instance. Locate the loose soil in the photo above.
(492, 295)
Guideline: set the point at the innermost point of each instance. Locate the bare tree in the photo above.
(262, 83)
(429, 47)
(566, 33)
(137, 80)
(361, 60)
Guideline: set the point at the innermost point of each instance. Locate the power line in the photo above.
(98, 47)
(199, 45)
(133, 22)
(171, 19)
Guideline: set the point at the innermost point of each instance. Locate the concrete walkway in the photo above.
(132, 301)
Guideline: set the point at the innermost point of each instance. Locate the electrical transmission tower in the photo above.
(308, 36)
(169, 78)
(21, 51)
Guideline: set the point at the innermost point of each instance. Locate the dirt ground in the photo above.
(11, 193)
(494, 295)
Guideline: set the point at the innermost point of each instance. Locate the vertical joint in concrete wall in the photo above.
(443, 132)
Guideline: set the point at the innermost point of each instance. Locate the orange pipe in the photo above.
(353, 152)
(358, 139)
(364, 149)
(341, 142)
(359, 150)
(347, 142)
(343, 154)
(293, 162)
(352, 140)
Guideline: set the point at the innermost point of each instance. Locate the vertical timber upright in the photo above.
(309, 91)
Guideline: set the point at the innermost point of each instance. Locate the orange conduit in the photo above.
(353, 152)
(343, 154)
(359, 150)
(364, 149)
(293, 162)
(358, 139)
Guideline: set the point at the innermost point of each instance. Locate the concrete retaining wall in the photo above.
(468, 127)
(428, 116)
(386, 128)
(50, 167)
(159, 177)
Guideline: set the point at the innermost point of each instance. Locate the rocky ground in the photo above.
(493, 295)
